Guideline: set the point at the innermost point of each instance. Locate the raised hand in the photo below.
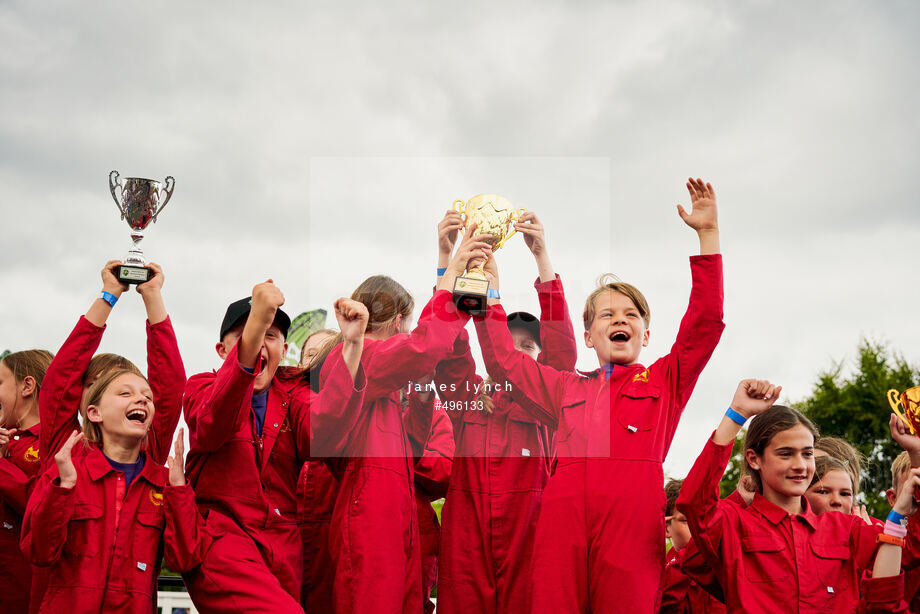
(176, 463)
(473, 247)
(155, 283)
(110, 281)
(754, 397)
(704, 214)
(900, 432)
(860, 512)
(352, 317)
(905, 504)
(448, 228)
(534, 233)
(64, 461)
(266, 299)
(5, 436)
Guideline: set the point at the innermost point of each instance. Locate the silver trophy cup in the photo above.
(139, 201)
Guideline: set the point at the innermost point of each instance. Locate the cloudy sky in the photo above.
(318, 143)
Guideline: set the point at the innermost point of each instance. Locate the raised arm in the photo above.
(164, 366)
(62, 387)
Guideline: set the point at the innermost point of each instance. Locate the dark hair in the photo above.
(671, 490)
(104, 363)
(28, 363)
(764, 427)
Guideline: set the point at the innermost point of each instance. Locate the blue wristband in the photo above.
(493, 293)
(441, 270)
(736, 417)
(897, 518)
(109, 298)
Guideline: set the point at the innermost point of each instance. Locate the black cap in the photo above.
(527, 322)
(239, 310)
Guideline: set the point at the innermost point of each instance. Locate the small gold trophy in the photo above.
(907, 406)
(493, 215)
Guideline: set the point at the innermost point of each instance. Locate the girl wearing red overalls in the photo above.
(21, 375)
(374, 529)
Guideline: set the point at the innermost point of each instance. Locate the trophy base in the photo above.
(133, 274)
(471, 295)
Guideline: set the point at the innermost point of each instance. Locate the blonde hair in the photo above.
(323, 331)
(899, 466)
(28, 363)
(609, 282)
(826, 464)
(851, 458)
(104, 363)
(92, 432)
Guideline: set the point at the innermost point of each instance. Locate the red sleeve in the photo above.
(62, 389)
(401, 358)
(699, 501)
(217, 404)
(432, 470)
(186, 539)
(417, 419)
(910, 554)
(14, 485)
(882, 595)
(167, 381)
(542, 385)
(557, 335)
(456, 379)
(335, 410)
(701, 327)
(48, 511)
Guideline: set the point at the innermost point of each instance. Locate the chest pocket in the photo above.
(639, 410)
(765, 559)
(832, 563)
(525, 434)
(571, 421)
(473, 433)
(387, 416)
(83, 538)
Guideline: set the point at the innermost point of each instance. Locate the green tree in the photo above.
(854, 407)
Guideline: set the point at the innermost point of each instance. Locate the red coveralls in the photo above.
(62, 390)
(681, 595)
(103, 545)
(316, 493)
(16, 477)
(245, 483)
(883, 595)
(373, 534)
(599, 543)
(767, 560)
(432, 476)
(910, 563)
(500, 471)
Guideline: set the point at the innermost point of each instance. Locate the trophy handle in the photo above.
(115, 182)
(168, 189)
(460, 206)
(515, 216)
(894, 399)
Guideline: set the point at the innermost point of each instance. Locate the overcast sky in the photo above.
(318, 143)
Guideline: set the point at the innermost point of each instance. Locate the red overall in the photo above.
(500, 470)
(432, 476)
(599, 544)
(910, 564)
(316, 493)
(374, 529)
(104, 545)
(17, 473)
(767, 560)
(883, 595)
(245, 483)
(62, 390)
(681, 595)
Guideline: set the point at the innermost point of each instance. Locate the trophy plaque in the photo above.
(493, 215)
(139, 201)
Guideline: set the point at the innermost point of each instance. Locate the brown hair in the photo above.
(28, 363)
(764, 427)
(609, 282)
(899, 466)
(92, 432)
(826, 464)
(671, 490)
(385, 298)
(841, 449)
(104, 363)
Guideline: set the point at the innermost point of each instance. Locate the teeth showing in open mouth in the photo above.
(137, 415)
(619, 336)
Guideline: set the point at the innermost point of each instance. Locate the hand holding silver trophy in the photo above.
(139, 201)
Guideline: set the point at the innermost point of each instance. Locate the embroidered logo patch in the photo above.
(641, 377)
(155, 497)
(31, 455)
(286, 426)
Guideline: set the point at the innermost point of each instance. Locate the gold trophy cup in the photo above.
(907, 406)
(493, 215)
